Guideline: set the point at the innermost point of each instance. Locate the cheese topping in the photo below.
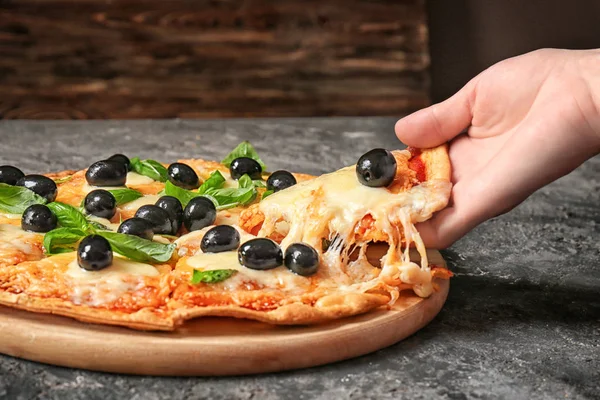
(10, 216)
(13, 237)
(142, 201)
(135, 179)
(95, 288)
(331, 207)
(277, 278)
(86, 188)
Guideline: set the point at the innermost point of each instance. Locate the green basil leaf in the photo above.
(138, 249)
(61, 240)
(124, 196)
(214, 276)
(245, 182)
(212, 188)
(259, 184)
(216, 180)
(15, 199)
(231, 197)
(149, 168)
(183, 195)
(69, 217)
(267, 193)
(243, 149)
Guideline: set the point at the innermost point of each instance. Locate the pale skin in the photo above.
(514, 128)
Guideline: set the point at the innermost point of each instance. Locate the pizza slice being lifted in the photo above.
(141, 244)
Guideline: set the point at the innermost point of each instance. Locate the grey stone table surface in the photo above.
(522, 320)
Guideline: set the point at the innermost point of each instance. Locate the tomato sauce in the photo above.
(416, 164)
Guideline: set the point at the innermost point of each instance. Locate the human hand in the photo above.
(529, 119)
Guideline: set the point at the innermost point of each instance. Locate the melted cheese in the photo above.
(135, 179)
(277, 278)
(86, 188)
(120, 266)
(10, 216)
(105, 286)
(142, 201)
(332, 205)
(13, 237)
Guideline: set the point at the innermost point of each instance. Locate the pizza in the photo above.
(148, 245)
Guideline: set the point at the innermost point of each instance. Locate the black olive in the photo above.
(183, 175)
(220, 238)
(280, 180)
(137, 227)
(173, 206)
(38, 218)
(158, 218)
(199, 213)
(245, 165)
(10, 175)
(260, 253)
(123, 159)
(41, 185)
(100, 203)
(94, 253)
(106, 173)
(301, 259)
(376, 168)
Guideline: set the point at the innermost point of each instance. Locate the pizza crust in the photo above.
(143, 319)
(437, 163)
(326, 308)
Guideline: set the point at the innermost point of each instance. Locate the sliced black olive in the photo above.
(123, 159)
(94, 253)
(106, 173)
(220, 238)
(199, 213)
(376, 168)
(38, 218)
(41, 185)
(100, 203)
(301, 259)
(245, 165)
(137, 227)
(10, 175)
(158, 218)
(280, 180)
(184, 176)
(173, 206)
(260, 253)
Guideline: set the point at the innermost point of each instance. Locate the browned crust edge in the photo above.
(437, 163)
(144, 319)
(330, 307)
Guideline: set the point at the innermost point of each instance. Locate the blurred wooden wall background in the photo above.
(211, 58)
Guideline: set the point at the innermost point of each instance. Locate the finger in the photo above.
(440, 122)
(445, 228)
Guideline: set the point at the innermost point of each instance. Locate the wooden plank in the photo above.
(211, 58)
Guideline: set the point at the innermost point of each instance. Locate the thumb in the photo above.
(440, 122)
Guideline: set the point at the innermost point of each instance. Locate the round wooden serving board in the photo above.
(214, 346)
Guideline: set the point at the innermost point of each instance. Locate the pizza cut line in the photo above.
(145, 245)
